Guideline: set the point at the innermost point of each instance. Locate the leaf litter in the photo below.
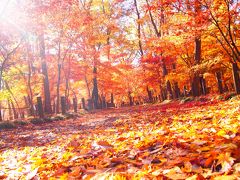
(171, 141)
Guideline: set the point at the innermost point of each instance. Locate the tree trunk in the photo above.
(104, 104)
(226, 89)
(75, 105)
(83, 104)
(30, 101)
(40, 107)
(152, 20)
(197, 50)
(164, 69)
(219, 81)
(112, 99)
(176, 90)
(196, 80)
(139, 28)
(236, 78)
(67, 85)
(163, 94)
(203, 86)
(169, 90)
(150, 97)
(58, 87)
(63, 104)
(47, 96)
(95, 89)
(22, 114)
(100, 102)
(1, 118)
(184, 91)
(195, 86)
(68, 104)
(30, 94)
(27, 103)
(10, 111)
(130, 99)
(54, 107)
(90, 104)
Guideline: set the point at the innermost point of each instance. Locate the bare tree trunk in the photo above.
(104, 103)
(89, 104)
(150, 97)
(130, 98)
(100, 102)
(63, 105)
(164, 69)
(15, 114)
(176, 90)
(30, 93)
(152, 20)
(139, 28)
(54, 106)
(112, 98)
(219, 81)
(47, 96)
(40, 107)
(163, 93)
(203, 85)
(58, 87)
(26, 100)
(196, 79)
(169, 90)
(95, 89)
(1, 118)
(185, 91)
(195, 86)
(75, 105)
(10, 111)
(236, 78)
(67, 85)
(83, 104)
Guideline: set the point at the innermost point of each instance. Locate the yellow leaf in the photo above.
(221, 133)
(64, 176)
(226, 161)
(39, 162)
(67, 155)
(238, 117)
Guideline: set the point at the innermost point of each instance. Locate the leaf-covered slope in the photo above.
(176, 141)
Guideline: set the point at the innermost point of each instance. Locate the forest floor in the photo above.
(194, 140)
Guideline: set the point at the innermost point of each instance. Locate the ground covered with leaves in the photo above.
(194, 140)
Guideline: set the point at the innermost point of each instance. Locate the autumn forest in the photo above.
(119, 89)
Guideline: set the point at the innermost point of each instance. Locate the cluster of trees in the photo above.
(134, 50)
